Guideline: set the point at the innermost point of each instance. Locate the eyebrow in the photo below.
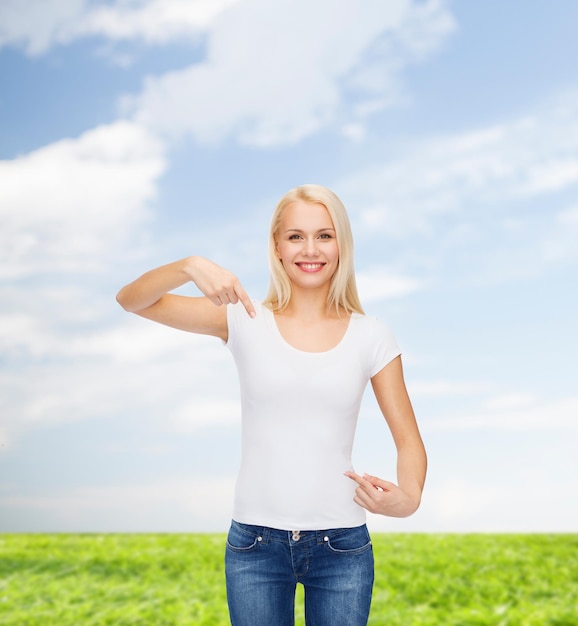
(298, 230)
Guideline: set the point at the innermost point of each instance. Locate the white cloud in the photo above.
(144, 369)
(569, 217)
(155, 21)
(193, 503)
(354, 131)
(140, 341)
(17, 332)
(490, 495)
(551, 175)
(449, 388)
(508, 401)
(278, 72)
(129, 341)
(63, 206)
(456, 501)
(463, 505)
(274, 73)
(514, 413)
(473, 176)
(378, 283)
(559, 243)
(197, 413)
(41, 24)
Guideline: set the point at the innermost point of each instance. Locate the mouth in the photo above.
(310, 267)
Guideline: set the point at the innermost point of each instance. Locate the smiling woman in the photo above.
(304, 357)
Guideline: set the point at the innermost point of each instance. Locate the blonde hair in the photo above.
(343, 288)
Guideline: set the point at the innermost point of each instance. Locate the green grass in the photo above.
(162, 580)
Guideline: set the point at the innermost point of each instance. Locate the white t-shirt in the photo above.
(299, 413)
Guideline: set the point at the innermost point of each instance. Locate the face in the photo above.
(306, 244)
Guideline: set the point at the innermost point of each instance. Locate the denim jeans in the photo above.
(263, 566)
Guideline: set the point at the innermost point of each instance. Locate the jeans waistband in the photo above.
(267, 534)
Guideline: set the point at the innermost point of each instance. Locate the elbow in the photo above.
(414, 500)
(124, 301)
(131, 301)
(416, 505)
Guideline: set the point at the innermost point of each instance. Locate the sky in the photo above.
(137, 132)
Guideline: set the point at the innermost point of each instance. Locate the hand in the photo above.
(218, 284)
(382, 497)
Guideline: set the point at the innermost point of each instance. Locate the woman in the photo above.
(304, 357)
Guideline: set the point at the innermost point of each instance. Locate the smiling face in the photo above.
(306, 245)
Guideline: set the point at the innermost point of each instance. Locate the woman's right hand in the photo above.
(218, 284)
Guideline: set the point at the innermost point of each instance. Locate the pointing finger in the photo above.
(355, 477)
(361, 481)
(245, 300)
(379, 483)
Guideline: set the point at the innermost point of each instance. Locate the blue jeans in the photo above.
(263, 566)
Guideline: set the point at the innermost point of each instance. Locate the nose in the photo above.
(310, 247)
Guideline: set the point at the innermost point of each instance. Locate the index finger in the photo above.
(379, 483)
(367, 485)
(360, 480)
(245, 300)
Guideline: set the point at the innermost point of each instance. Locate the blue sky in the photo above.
(134, 133)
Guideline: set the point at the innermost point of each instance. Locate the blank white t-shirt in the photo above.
(299, 414)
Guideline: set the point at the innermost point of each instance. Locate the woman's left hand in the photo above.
(383, 497)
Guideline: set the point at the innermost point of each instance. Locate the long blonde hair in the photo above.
(343, 288)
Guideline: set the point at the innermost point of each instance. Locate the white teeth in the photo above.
(310, 266)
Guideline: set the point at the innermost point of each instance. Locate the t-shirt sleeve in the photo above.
(384, 347)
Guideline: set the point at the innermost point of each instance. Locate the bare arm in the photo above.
(381, 496)
(148, 296)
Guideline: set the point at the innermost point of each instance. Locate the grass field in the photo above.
(162, 580)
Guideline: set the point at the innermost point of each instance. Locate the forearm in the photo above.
(411, 468)
(151, 286)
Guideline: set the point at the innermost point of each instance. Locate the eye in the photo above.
(294, 236)
(326, 236)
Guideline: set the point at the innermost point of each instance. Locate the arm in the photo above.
(148, 296)
(381, 496)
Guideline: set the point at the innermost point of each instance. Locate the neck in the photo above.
(309, 304)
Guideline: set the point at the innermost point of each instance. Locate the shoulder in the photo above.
(238, 319)
(377, 341)
(371, 324)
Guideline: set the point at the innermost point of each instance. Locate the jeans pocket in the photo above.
(349, 540)
(242, 538)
